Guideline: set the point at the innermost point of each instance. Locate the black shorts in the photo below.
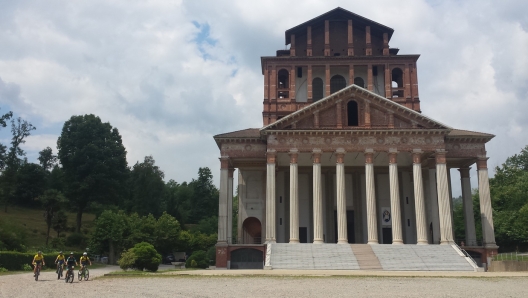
(38, 262)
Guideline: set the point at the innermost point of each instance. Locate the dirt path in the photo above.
(23, 285)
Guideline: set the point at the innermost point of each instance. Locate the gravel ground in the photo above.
(23, 285)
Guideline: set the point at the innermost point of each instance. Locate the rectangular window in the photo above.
(281, 221)
(280, 199)
(408, 222)
(407, 200)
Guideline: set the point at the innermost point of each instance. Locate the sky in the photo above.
(171, 74)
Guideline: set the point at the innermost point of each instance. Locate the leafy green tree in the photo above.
(52, 201)
(110, 234)
(20, 130)
(94, 162)
(167, 233)
(47, 159)
(199, 258)
(208, 225)
(30, 184)
(176, 199)
(205, 196)
(3, 149)
(59, 223)
(146, 188)
(12, 237)
(146, 257)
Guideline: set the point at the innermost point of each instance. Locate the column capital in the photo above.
(340, 155)
(482, 163)
(393, 156)
(316, 155)
(230, 172)
(369, 156)
(271, 155)
(464, 172)
(417, 156)
(224, 162)
(294, 154)
(440, 156)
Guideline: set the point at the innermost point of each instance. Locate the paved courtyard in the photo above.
(288, 284)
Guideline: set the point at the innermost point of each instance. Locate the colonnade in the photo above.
(442, 191)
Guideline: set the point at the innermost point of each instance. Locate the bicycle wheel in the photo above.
(79, 276)
(86, 274)
(59, 273)
(37, 272)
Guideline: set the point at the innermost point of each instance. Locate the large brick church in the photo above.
(345, 154)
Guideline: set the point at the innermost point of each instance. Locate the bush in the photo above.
(194, 264)
(200, 258)
(127, 260)
(27, 267)
(76, 240)
(12, 237)
(58, 242)
(2, 269)
(211, 254)
(146, 257)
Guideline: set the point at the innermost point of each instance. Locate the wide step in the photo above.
(312, 256)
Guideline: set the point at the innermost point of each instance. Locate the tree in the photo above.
(52, 200)
(3, 149)
(176, 200)
(110, 233)
(205, 196)
(167, 233)
(30, 184)
(146, 188)
(94, 162)
(20, 130)
(59, 223)
(47, 159)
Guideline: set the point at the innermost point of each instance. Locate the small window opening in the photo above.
(407, 200)
(408, 222)
(317, 89)
(280, 199)
(337, 83)
(283, 79)
(397, 82)
(281, 221)
(352, 113)
(359, 82)
(337, 54)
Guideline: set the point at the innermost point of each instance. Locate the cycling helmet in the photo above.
(71, 253)
(60, 252)
(85, 254)
(39, 252)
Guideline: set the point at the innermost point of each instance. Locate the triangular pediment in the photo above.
(374, 112)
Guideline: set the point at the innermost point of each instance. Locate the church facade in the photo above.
(345, 154)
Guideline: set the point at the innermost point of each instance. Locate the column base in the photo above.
(422, 242)
(342, 241)
(397, 242)
(447, 242)
(267, 268)
(270, 241)
(294, 241)
(373, 242)
(318, 241)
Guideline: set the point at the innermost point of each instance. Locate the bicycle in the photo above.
(84, 273)
(59, 271)
(69, 275)
(37, 271)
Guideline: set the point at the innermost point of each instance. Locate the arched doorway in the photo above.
(352, 113)
(317, 89)
(251, 231)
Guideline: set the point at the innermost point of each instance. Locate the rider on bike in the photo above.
(59, 261)
(71, 262)
(84, 260)
(37, 259)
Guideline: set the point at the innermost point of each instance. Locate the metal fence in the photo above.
(511, 256)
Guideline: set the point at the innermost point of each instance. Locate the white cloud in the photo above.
(171, 74)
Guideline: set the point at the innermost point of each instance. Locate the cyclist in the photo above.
(59, 261)
(71, 262)
(37, 260)
(84, 260)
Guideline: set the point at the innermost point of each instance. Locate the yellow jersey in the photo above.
(84, 259)
(60, 257)
(38, 258)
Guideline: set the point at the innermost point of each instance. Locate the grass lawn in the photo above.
(32, 220)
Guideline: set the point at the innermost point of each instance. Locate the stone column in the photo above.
(446, 228)
(342, 236)
(467, 203)
(486, 216)
(294, 197)
(419, 202)
(230, 205)
(317, 197)
(270, 196)
(222, 200)
(433, 200)
(395, 198)
(372, 221)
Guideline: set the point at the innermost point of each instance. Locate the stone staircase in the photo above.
(366, 257)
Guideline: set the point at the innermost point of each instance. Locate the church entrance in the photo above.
(350, 226)
(252, 231)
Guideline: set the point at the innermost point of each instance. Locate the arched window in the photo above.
(397, 82)
(337, 83)
(283, 79)
(317, 89)
(359, 82)
(352, 113)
